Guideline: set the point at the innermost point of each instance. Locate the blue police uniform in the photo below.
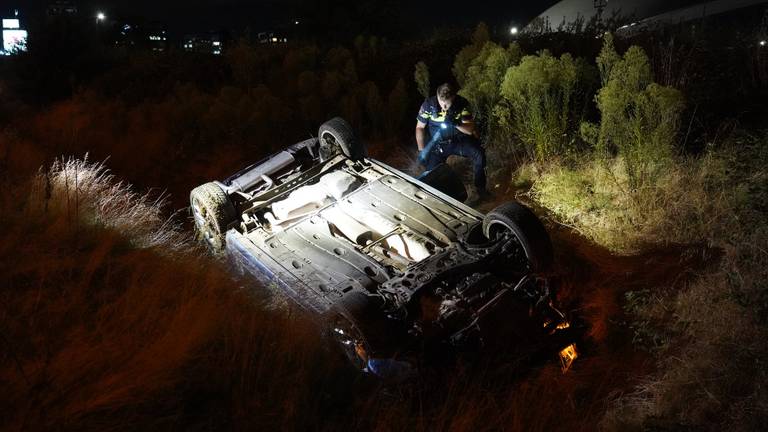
(452, 141)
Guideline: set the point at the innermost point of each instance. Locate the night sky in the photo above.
(191, 15)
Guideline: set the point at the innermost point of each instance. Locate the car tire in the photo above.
(336, 136)
(213, 211)
(362, 320)
(526, 227)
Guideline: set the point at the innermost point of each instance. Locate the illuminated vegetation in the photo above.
(483, 79)
(709, 335)
(627, 182)
(639, 119)
(542, 103)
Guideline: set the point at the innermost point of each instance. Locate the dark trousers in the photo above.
(465, 146)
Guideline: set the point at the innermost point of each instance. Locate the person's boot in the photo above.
(480, 195)
(484, 195)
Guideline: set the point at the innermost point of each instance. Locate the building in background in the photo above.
(61, 8)
(271, 37)
(204, 43)
(14, 37)
(157, 37)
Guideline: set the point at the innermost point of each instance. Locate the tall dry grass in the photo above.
(87, 193)
(690, 202)
(109, 320)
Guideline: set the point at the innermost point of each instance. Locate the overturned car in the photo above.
(396, 268)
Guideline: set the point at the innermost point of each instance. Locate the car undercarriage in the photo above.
(390, 263)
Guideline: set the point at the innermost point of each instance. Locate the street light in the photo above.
(763, 43)
(513, 31)
(100, 17)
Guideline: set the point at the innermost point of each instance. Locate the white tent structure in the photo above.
(567, 12)
(697, 11)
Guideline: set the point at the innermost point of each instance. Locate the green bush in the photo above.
(421, 76)
(639, 118)
(467, 54)
(541, 102)
(483, 79)
(397, 106)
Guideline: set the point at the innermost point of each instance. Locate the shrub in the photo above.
(372, 105)
(540, 103)
(467, 54)
(397, 105)
(243, 61)
(639, 118)
(483, 79)
(421, 76)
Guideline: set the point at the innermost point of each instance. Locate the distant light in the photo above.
(274, 39)
(443, 126)
(296, 22)
(10, 23)
(763, 43)
(100, 16)
(514, 30)
(216, 43)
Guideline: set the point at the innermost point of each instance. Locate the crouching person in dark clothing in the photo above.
(445, 127)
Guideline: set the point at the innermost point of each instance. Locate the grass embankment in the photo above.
(110, 319)
(708, 336)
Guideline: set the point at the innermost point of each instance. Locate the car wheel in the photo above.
(521, 222)
(336, 136)
(213, 212)
(357, 319)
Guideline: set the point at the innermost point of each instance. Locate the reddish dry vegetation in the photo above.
(106, 324)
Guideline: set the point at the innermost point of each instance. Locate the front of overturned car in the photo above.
(393, 265)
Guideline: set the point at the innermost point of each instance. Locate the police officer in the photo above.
(451, 127)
